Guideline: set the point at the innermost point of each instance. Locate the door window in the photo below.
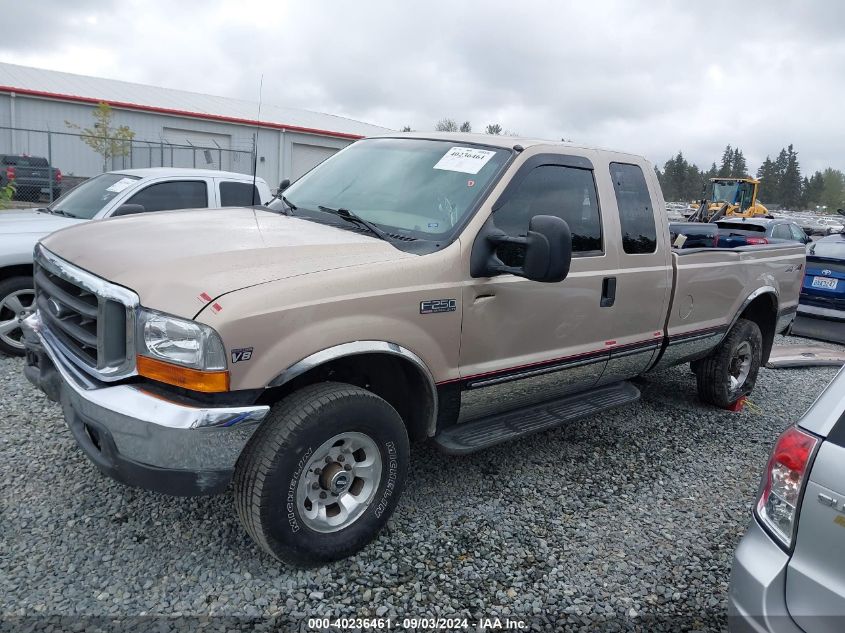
(797, 233)
(178, 194)
(782, 232)
(238, 194)
(566, 192)
(636, 216)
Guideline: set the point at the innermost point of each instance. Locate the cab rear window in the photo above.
(636, 216)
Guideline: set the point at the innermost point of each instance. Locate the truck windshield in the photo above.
(88, 198)
(419, 189)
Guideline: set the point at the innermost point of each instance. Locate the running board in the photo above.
(502, 427)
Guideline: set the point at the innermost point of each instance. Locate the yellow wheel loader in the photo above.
(730, 197)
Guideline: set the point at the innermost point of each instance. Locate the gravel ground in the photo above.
(624, 521)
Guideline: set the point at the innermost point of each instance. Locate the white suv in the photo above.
(108, 195)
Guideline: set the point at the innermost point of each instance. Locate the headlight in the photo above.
(181, 341)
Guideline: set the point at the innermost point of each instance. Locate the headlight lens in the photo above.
(180, 341)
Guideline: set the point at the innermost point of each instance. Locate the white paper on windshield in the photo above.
(468, 160)
(120, 185)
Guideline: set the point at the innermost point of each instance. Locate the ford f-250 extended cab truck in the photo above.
(468, 289)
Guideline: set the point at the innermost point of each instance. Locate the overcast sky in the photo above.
(651, 77)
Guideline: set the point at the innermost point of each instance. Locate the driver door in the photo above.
(523, 341)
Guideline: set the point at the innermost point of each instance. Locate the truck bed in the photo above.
(712, 286)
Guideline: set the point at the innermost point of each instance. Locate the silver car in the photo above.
(789, 569)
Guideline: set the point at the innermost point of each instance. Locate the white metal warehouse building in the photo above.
(172, 127)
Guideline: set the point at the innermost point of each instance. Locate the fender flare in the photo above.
(762, 290)
(356, 348)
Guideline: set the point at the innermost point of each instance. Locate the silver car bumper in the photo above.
(757, 598)
(137, 437)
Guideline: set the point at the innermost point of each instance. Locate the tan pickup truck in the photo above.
(461, 288)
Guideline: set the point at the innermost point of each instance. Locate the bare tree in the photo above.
(446, 125)
(407, 128)
(494, 129)
(466, 126)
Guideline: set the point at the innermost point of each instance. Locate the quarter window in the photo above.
(238, 194)
(566, 192)
(179, 194)
(636, 216)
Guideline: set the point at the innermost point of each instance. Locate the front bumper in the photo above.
(757, 596)
(135, 437)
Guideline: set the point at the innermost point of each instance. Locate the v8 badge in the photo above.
(244, 353)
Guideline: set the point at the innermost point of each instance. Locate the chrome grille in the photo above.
(91, 319)
(70, 312)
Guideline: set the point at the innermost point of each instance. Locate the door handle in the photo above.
(608, 292)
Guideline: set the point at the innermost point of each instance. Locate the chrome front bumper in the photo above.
(135, 436)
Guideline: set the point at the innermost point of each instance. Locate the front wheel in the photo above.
(322, 474)
(729, 372)
(17, 300)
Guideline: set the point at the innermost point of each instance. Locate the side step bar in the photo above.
(502, 427)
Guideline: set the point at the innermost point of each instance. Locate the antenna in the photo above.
(255, 139)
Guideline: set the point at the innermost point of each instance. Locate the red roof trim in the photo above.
(195, 115)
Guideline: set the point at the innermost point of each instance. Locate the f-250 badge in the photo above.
(244, 353)
(433, 306)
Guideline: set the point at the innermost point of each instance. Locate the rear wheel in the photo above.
(17, 300)
(322, 474)
(730, 371)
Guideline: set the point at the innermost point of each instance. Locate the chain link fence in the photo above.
(42, 164)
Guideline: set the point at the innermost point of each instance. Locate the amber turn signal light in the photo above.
(193, 379)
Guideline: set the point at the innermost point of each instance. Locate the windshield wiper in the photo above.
(349, 216)
(290, 204)
(60, 212)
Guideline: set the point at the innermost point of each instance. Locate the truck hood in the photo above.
(29, 222)
(176, 260)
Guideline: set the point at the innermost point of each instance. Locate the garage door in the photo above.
(304, 157)
(210, 152)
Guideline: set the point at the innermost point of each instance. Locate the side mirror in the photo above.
(547, 248)
(128, 209)
(284, 185)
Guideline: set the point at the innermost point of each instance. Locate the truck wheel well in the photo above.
(392, 378)
(763, 311)
(21, 270)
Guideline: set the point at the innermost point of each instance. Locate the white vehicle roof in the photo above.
(163, 172)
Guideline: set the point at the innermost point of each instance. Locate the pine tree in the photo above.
(739, 168)
(813, 189)
(780, 174)
(769, 184)
(726, 167)
(791, 183)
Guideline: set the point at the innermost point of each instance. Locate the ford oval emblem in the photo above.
(56, 308)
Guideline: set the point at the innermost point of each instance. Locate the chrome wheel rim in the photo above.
(15, 307)
(740, 365)
(339, 482)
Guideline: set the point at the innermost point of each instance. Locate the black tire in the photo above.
(57, 193)
(713, 373)
(268, 471)
(7, 288)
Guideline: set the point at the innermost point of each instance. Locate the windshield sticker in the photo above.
(468, 160)
(120, 185)
(470, 183)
